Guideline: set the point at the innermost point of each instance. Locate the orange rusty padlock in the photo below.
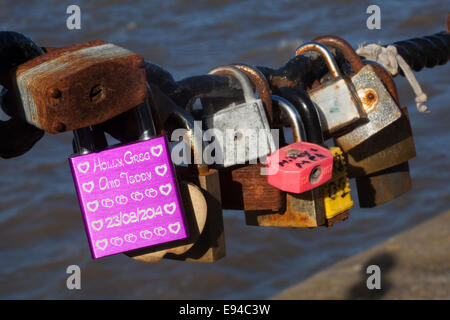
(78, 86)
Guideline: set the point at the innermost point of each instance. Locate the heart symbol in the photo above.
(161, 170)
(83, 167)
(130, 238)
(159, 148)
(160, 231)
(137, 196)
(88, 186)
(116, 241)
(93, 205)
(151, 193)
(170, 208)
(174, 227)
(146, 234)
(107, 203)
(101, 244)
(121, 199)
(97, 225)
(165, 189)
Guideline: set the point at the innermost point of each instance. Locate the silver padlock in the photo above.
(337, 101)
(237, 123)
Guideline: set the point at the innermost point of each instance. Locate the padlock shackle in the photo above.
(308, 113)
(83, 139)
(343, 46)
(240, 76)
(144, 119)
(324, 52)
(292, 114)
(262, 87)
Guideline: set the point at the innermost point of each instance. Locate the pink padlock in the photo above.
(301, 166)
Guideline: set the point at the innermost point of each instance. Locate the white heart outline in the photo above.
(104, 201)
(121, 197)
(160, 147)
(89, 205)
(93, 223)
(128, 236)
(148, 193)
(90, 183)
(173, 205)
(158, 232)
(99, 242)
(81, 164)
(144, 232)
(165, 186)
(135, 197)
(118, 241)
(177, 224)
(157, 170)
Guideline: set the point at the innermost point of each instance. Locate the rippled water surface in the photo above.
(41, 230)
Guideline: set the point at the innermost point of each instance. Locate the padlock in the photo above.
(306, 209)
(382, 186)
(239, 122)
(210, 246)
(78, 86)
(129, 194)
(243, 187)
(385, 140)
(337, 101)
(336, 191)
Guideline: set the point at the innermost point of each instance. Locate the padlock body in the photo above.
(245, 133)
(79, 86)
(337, 104)
(378, 104)
(129, 197)
(336, 192)
(293, 167)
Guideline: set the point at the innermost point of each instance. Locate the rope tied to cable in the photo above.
(391, 60)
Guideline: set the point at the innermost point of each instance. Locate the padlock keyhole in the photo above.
(315, 174)
(96, 94)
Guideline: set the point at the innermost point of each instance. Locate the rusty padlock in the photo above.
(337, 101)
(385, 140)
(210, 245)
(78, 86)
(16, 135)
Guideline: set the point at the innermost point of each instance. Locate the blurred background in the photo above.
(41, 229)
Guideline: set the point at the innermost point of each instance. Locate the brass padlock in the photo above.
(338, 104)
(210, 244)
(382, 186)
(385, 139)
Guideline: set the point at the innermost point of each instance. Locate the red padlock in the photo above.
(300, 166)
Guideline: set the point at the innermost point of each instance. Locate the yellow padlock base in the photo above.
(336, 192)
